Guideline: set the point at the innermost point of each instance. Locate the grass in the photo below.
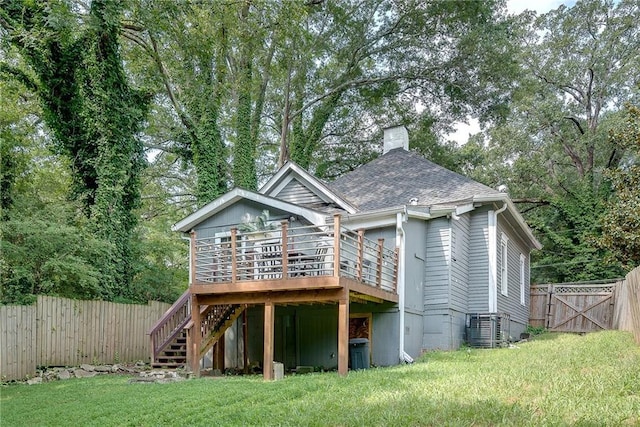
(554, 380)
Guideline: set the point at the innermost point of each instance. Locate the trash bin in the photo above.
(359, 353)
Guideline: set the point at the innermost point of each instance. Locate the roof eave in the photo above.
(227, 199)
(503, 197)
(310, 181)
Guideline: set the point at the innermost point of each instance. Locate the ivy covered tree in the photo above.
(244, 86)
(75, 67)
(621, 222)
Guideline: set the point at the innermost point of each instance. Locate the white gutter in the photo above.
(493, 257)
(514, 211)
(400, 241)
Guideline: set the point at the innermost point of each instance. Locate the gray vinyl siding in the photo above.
(511, 303)
(385, 345)
(413, 324)
(297, 193)
(386, 233)
(318, 336)
(458, 298)
(436, 289)
(415, 233)
(443, 330)
(478, 301)
(415, 254)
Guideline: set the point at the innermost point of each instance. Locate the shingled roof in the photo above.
(396, 177)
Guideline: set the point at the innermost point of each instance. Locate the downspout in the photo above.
(493, 258)
(400, 243)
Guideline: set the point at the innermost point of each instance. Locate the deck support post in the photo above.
(343, 335)
(196, 336)
(269, 320)
(218, 360)
(245, 340)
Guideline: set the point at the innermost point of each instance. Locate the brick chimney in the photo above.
(395, 137)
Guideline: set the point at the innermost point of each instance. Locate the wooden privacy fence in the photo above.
(66, 332)
(586, 307)
(572, 307)
(626, 314)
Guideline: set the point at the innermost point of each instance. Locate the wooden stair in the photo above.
(174, 356)
(228, 315)
(169, 334)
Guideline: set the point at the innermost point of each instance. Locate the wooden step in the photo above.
(167, 358)
(167, 365)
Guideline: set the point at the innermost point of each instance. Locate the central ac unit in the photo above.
(487, 330)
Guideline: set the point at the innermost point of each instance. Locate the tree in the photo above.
(180, 51)
(298, 73)
(578, 66)
(364, 63)
(93, 113)
(621, 222)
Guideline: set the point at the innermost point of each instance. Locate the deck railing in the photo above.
(170, 325)
(292, 252)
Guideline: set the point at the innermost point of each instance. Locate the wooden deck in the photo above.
(290, 265)
(301, 263)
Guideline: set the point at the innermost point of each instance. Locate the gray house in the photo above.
(401, 254)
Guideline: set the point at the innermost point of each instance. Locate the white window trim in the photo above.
(504, 265)
(523, 300)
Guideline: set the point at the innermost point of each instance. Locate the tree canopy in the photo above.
(577, 68)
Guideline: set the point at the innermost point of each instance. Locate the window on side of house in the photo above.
(504, 283)
(522, 283)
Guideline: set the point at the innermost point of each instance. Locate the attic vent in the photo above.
(396, 137)
(413, 201)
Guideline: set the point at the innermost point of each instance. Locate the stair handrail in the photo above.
(160, 337)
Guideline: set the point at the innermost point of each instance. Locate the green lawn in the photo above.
(553, 380)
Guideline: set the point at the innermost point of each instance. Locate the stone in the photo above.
(36, 380)
(102, 368)
(64, 374)
(115, 368)
(86, 367)
(81, 373)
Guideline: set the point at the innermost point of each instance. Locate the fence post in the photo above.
(549, 297)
